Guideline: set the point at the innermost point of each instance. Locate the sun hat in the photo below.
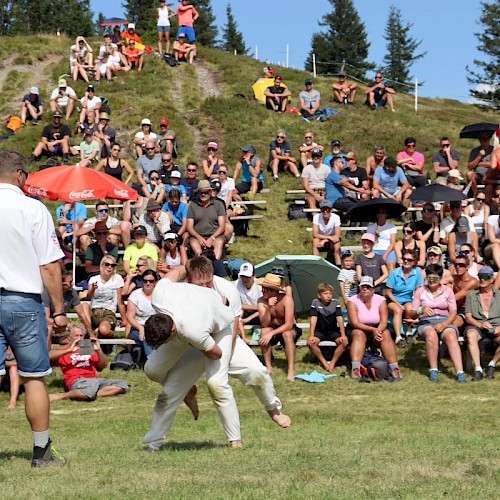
(435, 249)
(203, 185)
(62, 83)
(272, 281)
(34, 90)
(455, 173)
(153, 205)
(146, 121)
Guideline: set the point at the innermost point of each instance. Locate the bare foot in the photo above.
(280, 418)
(291, 377)
(56, 397)
(236, 444)
(12, 406)
(269, 369)
(192, 402)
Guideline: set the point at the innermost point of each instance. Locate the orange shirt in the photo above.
(186, 16)
(132, 53)
(126, 35)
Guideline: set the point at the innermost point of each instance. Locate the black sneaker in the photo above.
(478, 376)
(490, 373)
(33, 158)
(43, 457)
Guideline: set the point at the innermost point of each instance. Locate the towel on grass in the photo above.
(314, 377)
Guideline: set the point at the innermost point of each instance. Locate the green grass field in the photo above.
(348, 440)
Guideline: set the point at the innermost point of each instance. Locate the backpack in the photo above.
(123, 361)
(14, 123)
(105, 107)
(296, 211)
(233, 267)
(330, 112)
(171, 61)
(375, 367)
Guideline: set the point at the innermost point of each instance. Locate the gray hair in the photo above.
(281, 131)
(10, 162)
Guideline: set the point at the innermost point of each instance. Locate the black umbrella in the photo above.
(476, 130)
(436, 193)
(367, 210)
(113, 21)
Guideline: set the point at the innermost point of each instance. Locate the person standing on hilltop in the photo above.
(163, 26)
(187, 16)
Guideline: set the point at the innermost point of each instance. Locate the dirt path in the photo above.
(208, 80)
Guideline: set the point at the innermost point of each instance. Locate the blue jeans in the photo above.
(23, 327)
(134, 334)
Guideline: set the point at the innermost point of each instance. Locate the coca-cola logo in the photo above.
(86, 194)
(122, 193)
(37, 191)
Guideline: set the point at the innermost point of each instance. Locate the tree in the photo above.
(143, 14)
(401, 49)
(487, 80)
(232, 37)
(344, 38)
(100, 30)
(206, 30)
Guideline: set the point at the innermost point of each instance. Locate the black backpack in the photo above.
(124, 361)
(296, 211)
(375, 367)
(171, 61)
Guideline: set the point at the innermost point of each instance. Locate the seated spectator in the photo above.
(444, 160)
(252, 177)
(147, 163)
(103, 68)
(175, 183)
(116, 37)
(314, 179)
(55, 140)
(463, 283)
(428, 227)
(227, 187)
(336, 147)
(454, 179)
(307, 148)
(80, 59)
(401, 285)
(132, 211)
(130, 34)
(491, 181)
(63, 99)
(277, 96)
(215, 187)
(177, 211)
(385, 236)
(134, 56)
(467, 250)
(348, 277)
(190, 181)
(90, 102)
(116, 60)
(98, 249)
(173, 253)
(492, 250)
(448, 222)
(459, 235)
(412, 162)
(107, 45)
(90, 124)
(368, 317)
(113, 225)
(375, 161)
(435, 257)
(390, 182)
(435, 306)
(154, 189)
(80, 370)
(106, 134)
(378, 94)
(279, 156)
(140, 309)
(167, 167)
(479, 212)
(344, 91)
(410, 242)
(69, 220)
(167, 139)
(184, 51)
(326, 231)
(370, 263)
(250, 293)
(32, 107)
(357, 177)
(89, 150)
(326, 323)
(212, 163)
(479, 161)
(310, 101)
(335, 186)
(143, 136)
(138, 250)
(133, 279)
(482, 313)
(106, 295)
(277, 317)
(115, 166)
(267, 72)
(156, 222)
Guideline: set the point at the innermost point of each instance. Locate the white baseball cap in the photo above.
(246, 269)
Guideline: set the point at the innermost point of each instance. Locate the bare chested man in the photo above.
(344, 91)
(277, 317)
(375, 161)
(463, 283)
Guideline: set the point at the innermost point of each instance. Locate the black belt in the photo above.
(35, 296)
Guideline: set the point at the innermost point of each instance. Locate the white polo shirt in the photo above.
(28, 240)
(197, 311)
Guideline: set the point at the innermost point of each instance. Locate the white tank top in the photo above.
(478, 219)
(173, 262)
(163, 19)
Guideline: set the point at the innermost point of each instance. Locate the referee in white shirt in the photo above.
(29, 254)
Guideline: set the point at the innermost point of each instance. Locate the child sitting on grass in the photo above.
(347, 278)
(326, 323)
(89, 150)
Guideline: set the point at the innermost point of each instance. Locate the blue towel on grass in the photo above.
(314, 377)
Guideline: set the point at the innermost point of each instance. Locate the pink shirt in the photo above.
(418, 157)
(370, 317)
(441, 304)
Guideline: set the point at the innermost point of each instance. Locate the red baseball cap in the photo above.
(164, 121)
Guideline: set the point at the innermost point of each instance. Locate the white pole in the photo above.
(416, 95)
(235, 52)
(314, 65)
(256, 52)
(287, 54)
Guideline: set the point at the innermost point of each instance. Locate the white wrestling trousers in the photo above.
(171, 365)
(244, 365)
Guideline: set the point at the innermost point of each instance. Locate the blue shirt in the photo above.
(388, 180)
(179, 213)
(403, 289)
(334, 191)
(189, 187)
(81, 213)
(179, 187)
(329, 158)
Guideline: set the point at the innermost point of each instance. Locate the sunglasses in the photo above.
(154, 178)
(433, 278)
(445, 145)
(163, 126)
(222, 172)
(325, 209)
(465, 252)
(191, 170)
(407, 231)
(103, 210)
(211, 149)
(410, 145)
(308, 137)
(149, 149)
(484, 277)
(166, 159)
(170, 241)
(280, 137)
(141, 265)
(149, 281)
(429, 210)
(109, 264)
(480, 199)
(496, 196)
(405, 259)
(460, 264)
(378, 78)
(204, 193)
(102, 233)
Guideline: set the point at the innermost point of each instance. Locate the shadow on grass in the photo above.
(191, 446)
(6, 455)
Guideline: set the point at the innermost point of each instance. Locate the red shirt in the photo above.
(132, 53)
(126, 35)
(75, 365)
(186, 16)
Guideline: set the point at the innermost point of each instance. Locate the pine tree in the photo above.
(344, 38)
(206, 30)
(6, 17)
(232, 37)
(143, 14)
(401, 49)
(488, 77)
(100, 30)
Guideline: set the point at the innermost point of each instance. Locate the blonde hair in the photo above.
(325, 287)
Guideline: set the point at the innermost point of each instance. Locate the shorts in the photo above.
(390, 258)
(188, 31)
(244, 187)
(23, 326)
(91, 386)
(163, 29)
(99, 315)
(331, 336)
(417, 180)
(424, 323)
(278, 339)
(482, 333)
